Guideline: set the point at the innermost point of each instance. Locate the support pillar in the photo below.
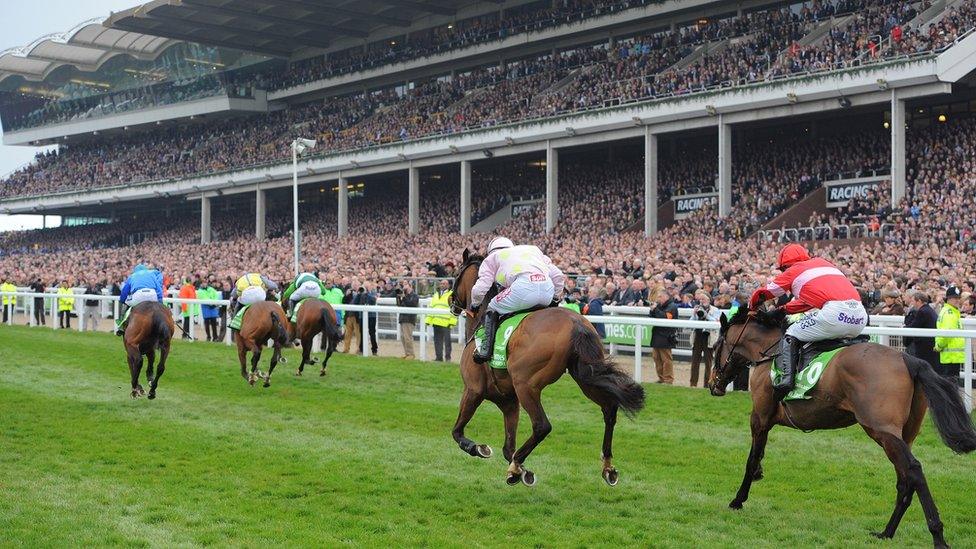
(343, 229)
(650, 183)
(897, 149)
(260, 214)
(414, 201)
(552, 187)
(724, 168)
(465, 197)
(205, 220)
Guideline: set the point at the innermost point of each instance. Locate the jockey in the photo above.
(305, 285)
(144, 284)
(250, 289)
(527, 279)
(827, 304)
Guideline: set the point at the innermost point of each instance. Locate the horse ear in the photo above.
(724, 322)
(464, 256)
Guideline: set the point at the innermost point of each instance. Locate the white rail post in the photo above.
(968, 376)
(81, 316)
(228, 331)
(364, 331)
(638, 336)
(54, 314)
(423, 338)
(30, 300)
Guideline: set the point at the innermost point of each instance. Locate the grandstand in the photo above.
(684, 135)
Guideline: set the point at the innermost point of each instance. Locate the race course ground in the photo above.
(364, 457)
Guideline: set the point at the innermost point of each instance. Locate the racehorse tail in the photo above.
(948, 411)
(330, 325)
(278, 332)
(593, 368)
(160, 327)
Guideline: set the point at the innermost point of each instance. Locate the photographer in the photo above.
(406, 297)
(368, 297)
(353, 333)
(663, 339)
(702, 340)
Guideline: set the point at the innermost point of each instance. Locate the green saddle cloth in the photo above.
(235, 323)
(294, 312)
(499, 355)
(808, 377)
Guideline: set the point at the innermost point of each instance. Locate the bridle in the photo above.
(456, 306)
(764, 357)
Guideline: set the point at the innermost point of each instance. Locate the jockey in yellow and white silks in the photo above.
(527, 278)
(250, 289)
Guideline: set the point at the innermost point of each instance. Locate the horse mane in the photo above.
(771, 319)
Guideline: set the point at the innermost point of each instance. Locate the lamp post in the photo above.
(298, 147)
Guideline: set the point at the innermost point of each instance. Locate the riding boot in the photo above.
(789, 354)
(483, 353)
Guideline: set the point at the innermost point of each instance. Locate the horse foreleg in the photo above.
(470, 400)
(760, 434)
(163, 354)
(530, 399)
(242, 356)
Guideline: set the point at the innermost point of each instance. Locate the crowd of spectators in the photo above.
(763, 43)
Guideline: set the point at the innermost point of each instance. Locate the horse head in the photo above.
(464, 281)
(744, 341)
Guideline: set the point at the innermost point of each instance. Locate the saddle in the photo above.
(814, 349)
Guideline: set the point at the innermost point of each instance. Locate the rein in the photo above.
(764, 356)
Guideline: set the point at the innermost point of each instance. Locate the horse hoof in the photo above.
(736, 504)
(483, 451)
(758, 475)
(611, 476)
(266, 384)
(513, 479)
(881, 535)
(282, 360)
(298, 373)
(135, 394)
(152, 396)
(322, 373)
(528, 478)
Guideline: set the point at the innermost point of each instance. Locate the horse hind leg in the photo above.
(510, 411)
(135, 367)
(150, 366)
(911, 480)
(275, 357)
(255, 359)
(330, 348)
(306, 354)
(163, 354)
(609, 409)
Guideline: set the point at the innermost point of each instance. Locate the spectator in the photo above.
(952, 350)
(38, 287)
(353, 331)
(921, 315)
(7, 301)
(891, 304)
(66, 303)
(369, 298)
(702, 340)
(91, 306)
(594, 307)
(442, 323)
(663, 339)
(405, 297)
(210, 313)
(188, 291)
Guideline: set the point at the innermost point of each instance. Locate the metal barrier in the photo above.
(885, 328)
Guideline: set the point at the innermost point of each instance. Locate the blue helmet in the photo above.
(139, 267)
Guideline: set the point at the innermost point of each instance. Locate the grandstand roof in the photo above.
(277, 27)
(86, 46)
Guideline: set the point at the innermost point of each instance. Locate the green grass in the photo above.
(365, 457)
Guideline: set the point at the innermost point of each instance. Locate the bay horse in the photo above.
(263, 321)
(547, 343)
(317, 316)
(150, 329)
(884, 390)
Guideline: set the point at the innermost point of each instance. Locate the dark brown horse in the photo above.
(316, 316)
(546, 344)
(150, 329)
(880, 388)
(263, 321)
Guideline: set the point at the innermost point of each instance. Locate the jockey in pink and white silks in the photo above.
(527, 279)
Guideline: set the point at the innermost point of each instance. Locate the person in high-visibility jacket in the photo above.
(8, 301)
(333, 295)
(442, 322)
(66, 304)
(952, 350)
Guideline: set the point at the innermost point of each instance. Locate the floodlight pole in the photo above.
(294, 194)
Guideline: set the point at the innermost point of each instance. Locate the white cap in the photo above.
(499, 243)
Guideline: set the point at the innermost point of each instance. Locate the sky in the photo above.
(22, 22)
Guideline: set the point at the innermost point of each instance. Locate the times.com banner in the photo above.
(839, 194)
(686, 204)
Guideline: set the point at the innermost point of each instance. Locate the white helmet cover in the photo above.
(499, 243)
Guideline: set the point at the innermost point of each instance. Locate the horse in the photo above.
(884, 390)
(316, 316)
(150, 328)
(547, 343)
(264, 320)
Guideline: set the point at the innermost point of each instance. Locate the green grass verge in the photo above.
(364, 457)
